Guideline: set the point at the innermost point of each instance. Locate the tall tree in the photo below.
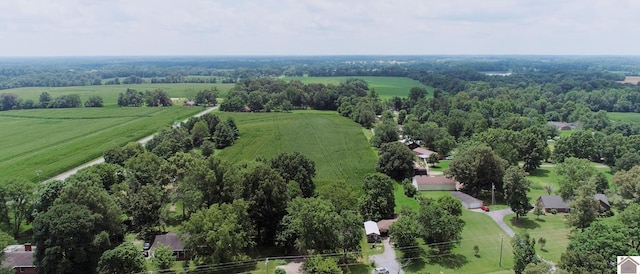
(350, 233)
(533, 148)
(19, 194)
(298, 168)
(395, 160)
(440, 229)
(516, 187)
(405, 232)
(595, 249)
(125, 258)
(584, 208)
(629, 183)
(199, 133)
(478, 168)
(378, 201)
(385, 132)
(219, 234)
(163, 257)
(630, 218)
(573, 173)
(310, 225)
(524, 252)
(266, 193)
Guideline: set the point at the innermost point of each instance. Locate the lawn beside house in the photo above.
(479, 230)
(552, 227)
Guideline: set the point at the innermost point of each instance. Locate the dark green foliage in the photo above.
(409, 189)
(516, 187)
(125, 258)
(450, 204)
(170, 141)
(395, 160)
(224, 135)
(440, 229)
(342, 196)
(573, 173)
(219, 234)
(143, 207)
(119, 155)
(208, 148)
(144, 169)
(385, 132)
(18, 196)
(163, 257)
(478, 168)
(524, 252)
(94, 101)
(296, 167)
(131, 98)
(157, 98)
(199, 133)
(405, 231)
(207, 97)
(378, 201)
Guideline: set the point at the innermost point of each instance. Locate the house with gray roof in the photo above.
(467, 200)
(556, 202)
(171, 240)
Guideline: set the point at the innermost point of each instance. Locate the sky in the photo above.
(318, 27)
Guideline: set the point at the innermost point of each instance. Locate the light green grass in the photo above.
(564, 133)
(386, 87)
(541, 177)
(56, 140)
(552, 227)
(479, 230)
(335, 143)
(109, 93)
(624, 117)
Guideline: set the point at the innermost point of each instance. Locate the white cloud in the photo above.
(167, 27)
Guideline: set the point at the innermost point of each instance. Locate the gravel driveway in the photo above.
(387, 259)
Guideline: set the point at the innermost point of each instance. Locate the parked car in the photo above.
(146, 246)
(381, 270)
(485, 208)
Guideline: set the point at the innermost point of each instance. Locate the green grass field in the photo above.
(386, 87)
(56, 140)
(109, 93)
(552, 227)
(624, 117)
(479, 230)
(335, 143)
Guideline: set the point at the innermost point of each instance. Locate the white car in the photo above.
(381, 270)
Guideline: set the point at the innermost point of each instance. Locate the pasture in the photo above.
(552, 227)
(386, 87)
(109, 93)
(56, 140)
(336, 144)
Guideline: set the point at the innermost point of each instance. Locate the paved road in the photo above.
(387, 259)
(143, 141)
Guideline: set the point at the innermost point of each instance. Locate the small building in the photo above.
(468, 202)
(418, 169)
(171, 240)
(189, 104)
(549, 203)
(434, 183)
(562, 125)
(422, 153)
(20, 258)
(372, 231)
(383, 226)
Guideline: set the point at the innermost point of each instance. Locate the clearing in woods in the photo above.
(386, 87)
(336, 144)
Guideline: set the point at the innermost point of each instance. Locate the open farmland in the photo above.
(56, 140)
(630, 117)
(386, 87)
(335, 143)
(109, 93)
(631, 79)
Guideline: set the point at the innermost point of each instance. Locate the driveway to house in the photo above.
(143, 141)
(387, 259)
(498, 217)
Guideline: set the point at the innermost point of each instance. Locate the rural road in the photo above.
(387, 259)
(143, 141)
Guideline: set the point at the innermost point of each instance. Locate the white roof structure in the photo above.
(371, 227)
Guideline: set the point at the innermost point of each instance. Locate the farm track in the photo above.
(66, 174)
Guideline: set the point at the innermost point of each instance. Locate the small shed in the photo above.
(603, 202)
(434, 183)
(418, 169)
(171, 240)
(468, 202)
(383, 225)
(372, 231)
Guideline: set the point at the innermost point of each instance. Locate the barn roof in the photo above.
(433, 180)
(553, 202)
(422, 151)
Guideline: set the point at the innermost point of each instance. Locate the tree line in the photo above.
(10, 101)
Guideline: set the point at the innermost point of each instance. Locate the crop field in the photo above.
(56, 140)
(386, 87)
(336, 144)
(109, 93)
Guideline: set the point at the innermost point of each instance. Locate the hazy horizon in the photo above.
(65, 28)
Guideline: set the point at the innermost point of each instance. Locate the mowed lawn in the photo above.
(335, 143)
(552, 227)
(479, 230)
(386, 87)
(630, 117)
(56, 140)
(109, 93)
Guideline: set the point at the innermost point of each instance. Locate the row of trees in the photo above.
(134, 98)
(10, 101)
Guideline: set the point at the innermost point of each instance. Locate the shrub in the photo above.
(280, 271)
(410, 190)
(554, 211)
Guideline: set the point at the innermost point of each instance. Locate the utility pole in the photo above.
(493, 195)
(501, 239)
